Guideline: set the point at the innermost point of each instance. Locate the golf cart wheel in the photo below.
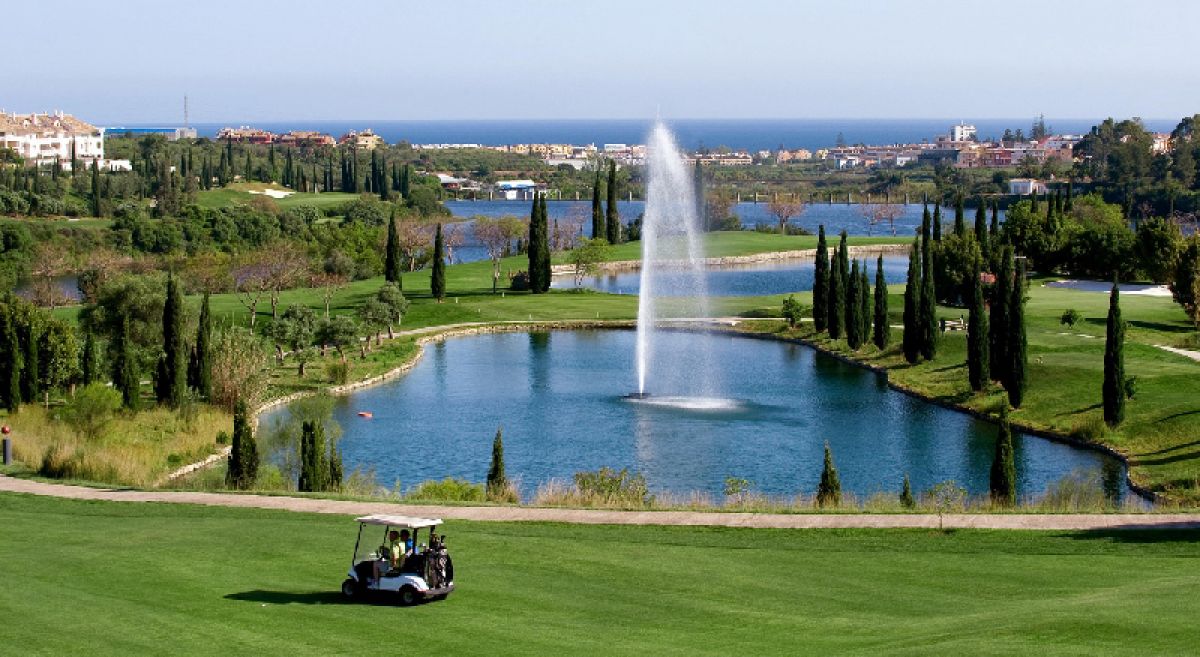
(409, 596)
(350, 588)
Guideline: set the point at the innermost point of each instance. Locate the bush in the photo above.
(610, 486)
(519, 281)
(92, 408)
(1070, 318)
(339, 372)
(447, 490)
(62, 461)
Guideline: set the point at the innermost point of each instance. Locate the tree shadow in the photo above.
(1169, 459)
(1172, 532)
(1172, 448)
(289, 597)
(1159, 326)
(1174, 416)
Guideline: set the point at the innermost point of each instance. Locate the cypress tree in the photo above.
(937, 222)
(926, 221)
(10, 361)
(612, 220)
(392, 258)
(927, 315)
(174, 386)
(821, 282)
(829, 490)
(308, 466)
(838, 286)
(249, 165)
(437, 282)
(243, 455)
(853, 304)
(994, 228)
(981, 231)
(1003, 480)
(882, 334)
(1033, 203)
(998, 322)
(200, 369)
(406, 180)
(87, 369)
(95, 189)
(978, 364)
(906, 495)
(544, 260)
(911, 339)
(598, 225)
(1068, 204)
(960, 220)
(125, 370)
(1114, 362)
(698, 183)
(1017, 345)
(496, 479)
(864, 304)
(30, 368)
(537, 233)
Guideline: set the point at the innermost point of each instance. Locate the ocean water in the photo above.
(748, 134)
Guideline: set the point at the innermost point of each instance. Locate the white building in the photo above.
(1026, 186)
(962, 132)
(515, 190)
(48, 138)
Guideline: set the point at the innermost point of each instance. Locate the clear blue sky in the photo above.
(251, 60)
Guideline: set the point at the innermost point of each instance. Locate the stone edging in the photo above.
(768, 256)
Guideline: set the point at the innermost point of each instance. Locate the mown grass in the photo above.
(179, 579)
(1066, 368)
(239, 194)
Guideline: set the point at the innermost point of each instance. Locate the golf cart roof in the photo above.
(407, 522)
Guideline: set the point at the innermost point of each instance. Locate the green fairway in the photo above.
(237, 193)
(145, 578)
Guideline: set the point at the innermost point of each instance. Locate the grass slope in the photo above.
(144, 578)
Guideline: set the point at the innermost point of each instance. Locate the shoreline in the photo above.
(722, 261)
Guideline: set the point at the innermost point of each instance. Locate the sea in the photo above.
(691, 134)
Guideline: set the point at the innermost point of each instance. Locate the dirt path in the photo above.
(602, 517)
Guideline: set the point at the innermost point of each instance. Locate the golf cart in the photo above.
(424, 574)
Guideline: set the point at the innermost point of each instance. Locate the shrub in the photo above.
(447, 490)
(518, 281)
(62, 461)
(609, 486)
(338, 371)
(1070, 318)
(1077, 491)
(794, 311)
(945, 497)
(92, 408)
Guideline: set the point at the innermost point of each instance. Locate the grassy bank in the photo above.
(1066, 369)
(205, 581)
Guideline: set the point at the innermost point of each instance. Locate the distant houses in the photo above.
(55, 138)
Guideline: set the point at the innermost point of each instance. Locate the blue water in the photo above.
(835, 217)
(558, 397)
(779, 277)
(749, 134)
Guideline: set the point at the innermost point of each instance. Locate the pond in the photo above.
(559, 397)
(751, 279)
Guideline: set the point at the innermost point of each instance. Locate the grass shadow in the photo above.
(1173, 532)
(289, 597)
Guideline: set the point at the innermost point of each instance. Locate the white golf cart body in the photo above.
(410, 582)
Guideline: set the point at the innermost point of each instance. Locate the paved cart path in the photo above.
(605, 517)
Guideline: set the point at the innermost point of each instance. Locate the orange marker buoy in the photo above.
(366, 414)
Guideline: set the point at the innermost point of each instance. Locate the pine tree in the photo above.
(87, 360)
(1114, 362)
(174, 386)
(598, 225)
(853, 304)
(437, 282)
(612, 220)
(497, 482)
(978, 360)
(820, 307)
(243, 454)
(829, 490)
(1015, 380)
(392, 258)
(911, 340)
(883, 333)
(927, 315)
(10, 360)
(30, 367)
(1003, 480)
